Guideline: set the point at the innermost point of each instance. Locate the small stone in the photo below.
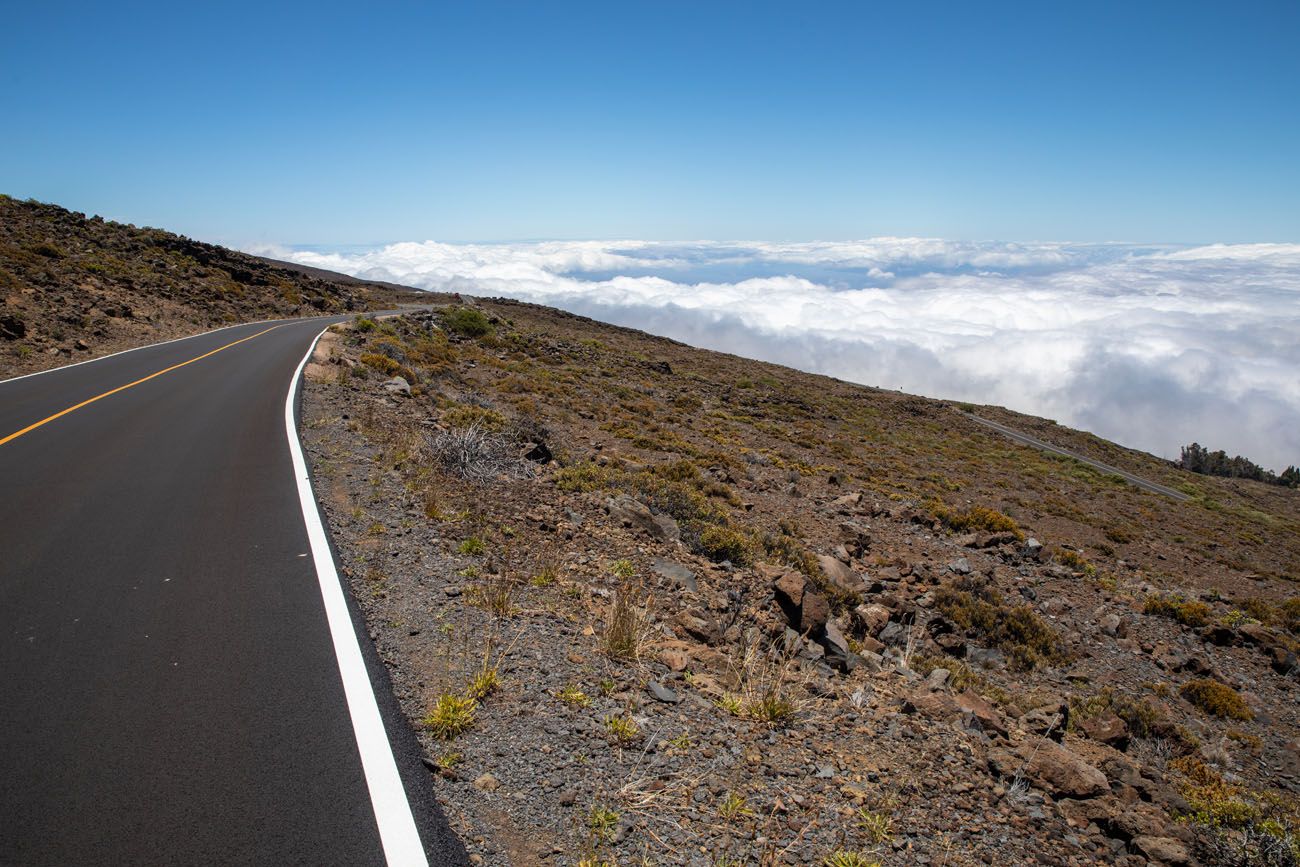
(960, 566)
(1113, 626)
(677, 574)
(662, 693)
(676, 660)
(938, 679)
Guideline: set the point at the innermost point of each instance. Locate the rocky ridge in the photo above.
(74, 287)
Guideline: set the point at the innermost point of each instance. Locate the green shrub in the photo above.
(1119, 535)
(787, 550)
(586, 477)
(960, 676)
(472, 547)
(466, 321)
(1075, 561)
(845, 858)
(1217, 699)
(381, 363)
(719, 543)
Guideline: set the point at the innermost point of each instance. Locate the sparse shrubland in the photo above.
(639, 559)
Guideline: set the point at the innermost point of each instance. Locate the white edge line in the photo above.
(397, 831)
(147, 345)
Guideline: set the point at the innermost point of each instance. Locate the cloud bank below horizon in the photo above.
(1150, 346)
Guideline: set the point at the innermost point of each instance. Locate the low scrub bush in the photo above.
(389, 366)
(960, 676)
(1187, 612)
(464, 415)
(1217, 699)
(1025, 637)
(975, 519)
(720, 543)
(1075, 561)
(785, 547)
(1237, 827)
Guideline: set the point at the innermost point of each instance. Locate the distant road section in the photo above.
(181, 683)
(1098, 465)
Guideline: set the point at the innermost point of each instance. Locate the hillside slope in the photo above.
(73, 287)
(653, 604)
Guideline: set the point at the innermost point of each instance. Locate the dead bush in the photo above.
(477, 454)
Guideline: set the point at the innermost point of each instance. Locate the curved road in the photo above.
(181, 674)
(1026, 439)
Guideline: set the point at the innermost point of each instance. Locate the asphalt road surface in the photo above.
(1026, 439)
(181, 680)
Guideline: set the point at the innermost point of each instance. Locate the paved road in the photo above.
(1026, 439)
(180, 682)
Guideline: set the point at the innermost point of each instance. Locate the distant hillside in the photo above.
(73, 287)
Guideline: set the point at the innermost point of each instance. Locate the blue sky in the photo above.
(373, 122)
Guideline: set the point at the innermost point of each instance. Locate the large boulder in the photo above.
(804, 608)
(837, 648)
(1107, 729)
(698, 624)
(1054, 768)
(1162, 850)
(872, 618)
(12, 327)
(988, 717)
(840, 576)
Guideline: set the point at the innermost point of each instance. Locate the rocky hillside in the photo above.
(648, 604)
(73, 287)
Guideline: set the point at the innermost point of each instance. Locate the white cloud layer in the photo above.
(1153, 347)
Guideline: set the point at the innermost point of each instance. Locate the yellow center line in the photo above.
(31, 427)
